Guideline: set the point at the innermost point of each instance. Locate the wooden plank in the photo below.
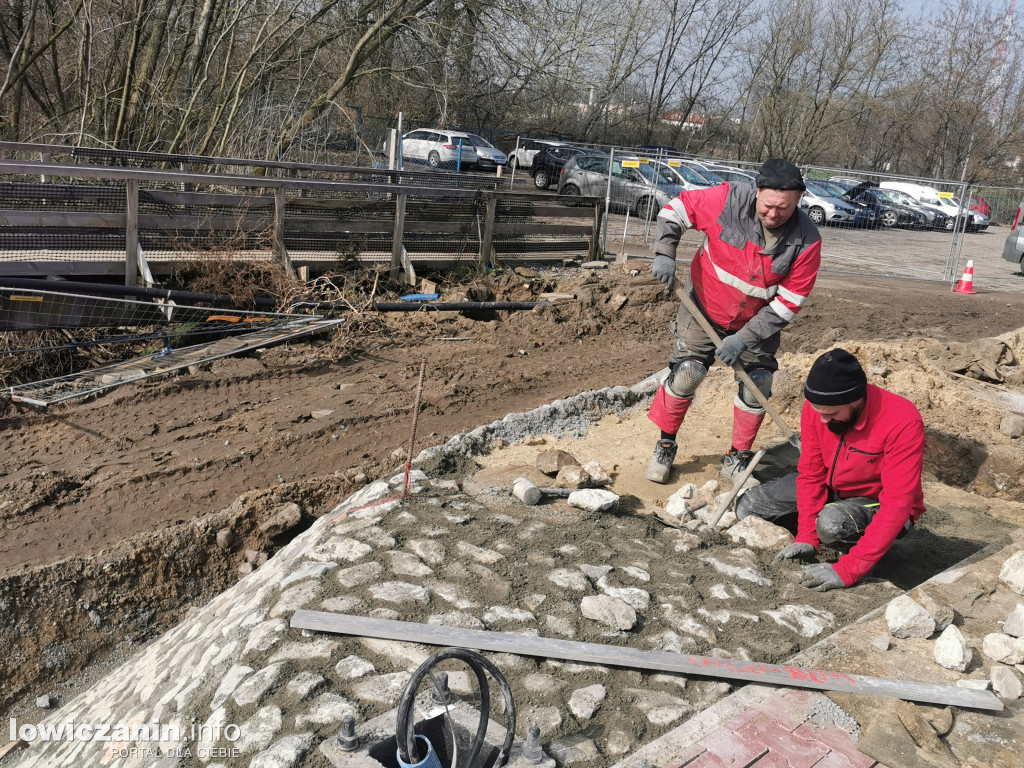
(530, 228)
(397, 233)
(11, 218)
(206, 223)
(487, 255)
(561, 212)
(622, 656)
(212, 199)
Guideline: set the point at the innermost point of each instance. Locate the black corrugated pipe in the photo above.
(117, 291)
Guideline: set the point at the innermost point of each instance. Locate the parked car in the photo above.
(439, 148)
(866, 216)
(1013, 248)
(978, 204)
(934, 216)
(522, 156)
(823, 208)
(889, 212)
(488, 157)
(734, 174)
(631, 190)
(674, 172)
(548, 163)
(704, 170)
(929, 197)
(981, 221)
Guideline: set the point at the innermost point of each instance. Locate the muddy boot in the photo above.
(661, 463)
(735, 462)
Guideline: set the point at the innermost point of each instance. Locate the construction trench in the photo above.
(240, 683)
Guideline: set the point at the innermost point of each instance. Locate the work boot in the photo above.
(661, 463)
(735, 462)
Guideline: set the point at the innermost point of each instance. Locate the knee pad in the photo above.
(686, 377)
(763, 378)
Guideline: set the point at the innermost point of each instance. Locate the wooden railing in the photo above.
(56, 218)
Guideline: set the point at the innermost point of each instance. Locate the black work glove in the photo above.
(821, 577)
(664, 270)
(797, 549)
(731, 349)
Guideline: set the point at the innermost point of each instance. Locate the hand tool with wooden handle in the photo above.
(736, 486)
(743, 376)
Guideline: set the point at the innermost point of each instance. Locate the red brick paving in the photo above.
(775, 734)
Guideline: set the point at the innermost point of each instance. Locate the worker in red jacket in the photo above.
(750, 278)
(858, 483)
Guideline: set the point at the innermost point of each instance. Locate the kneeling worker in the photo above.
(858, 481)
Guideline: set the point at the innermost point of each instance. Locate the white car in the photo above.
(522, 156)
(439, 148)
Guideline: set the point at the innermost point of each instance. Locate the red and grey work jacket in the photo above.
(740, 286)
(879, 457)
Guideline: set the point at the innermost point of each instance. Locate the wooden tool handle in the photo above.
(740, 373)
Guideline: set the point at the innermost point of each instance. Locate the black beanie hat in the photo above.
(777, 173)
(836, 378)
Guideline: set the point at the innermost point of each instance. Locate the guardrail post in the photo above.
(595, 235)
(399, 233)
(131, 233)
(487, 255)
(280, 251)
(45, 157)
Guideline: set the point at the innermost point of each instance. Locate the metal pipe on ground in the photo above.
(120, 291)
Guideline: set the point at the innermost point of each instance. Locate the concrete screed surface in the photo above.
(474, 557)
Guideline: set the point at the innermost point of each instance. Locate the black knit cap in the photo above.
(836, 378)
(777, 173)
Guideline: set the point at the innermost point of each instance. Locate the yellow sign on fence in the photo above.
(630, 163)
(674, 163)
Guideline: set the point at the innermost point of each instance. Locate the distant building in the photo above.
(689, 121)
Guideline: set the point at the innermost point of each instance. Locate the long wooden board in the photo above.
(619, 656)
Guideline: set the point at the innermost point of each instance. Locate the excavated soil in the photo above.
(110, 507)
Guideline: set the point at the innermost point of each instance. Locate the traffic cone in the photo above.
(966, 284)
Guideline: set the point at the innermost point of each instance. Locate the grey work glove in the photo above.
(797, 549)
(664, 270)
(821, 577)
(731, 349)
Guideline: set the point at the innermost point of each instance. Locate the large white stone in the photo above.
(481, 555)
(359, 574)
(584, 701)
(352, 668)
(259, 730)
(757, 532)
(310, 569)
(253, 689)
(1005, 682)
(427, 550)
(499, 613)
(400, 592)
(593, 499)
(228, 684)
(1003, 648)
(638, 599)
(740, 568)
(1012, 573)
(906, 618)
(327, 708)
(805, 620)
(285, 753)
(567, 578)
(1014, 624)
(952, 650)
(296, 597)
(384, 689)
(321, 648)
(339, 548)
(408, 564)
(609, 611)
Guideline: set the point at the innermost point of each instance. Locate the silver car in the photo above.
(488, 157)
(635, 186)
(1013, 248)
(823, 208)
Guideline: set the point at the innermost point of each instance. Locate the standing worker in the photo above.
(858, 484)
(755, 270)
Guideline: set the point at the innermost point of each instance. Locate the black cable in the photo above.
(404, 731)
